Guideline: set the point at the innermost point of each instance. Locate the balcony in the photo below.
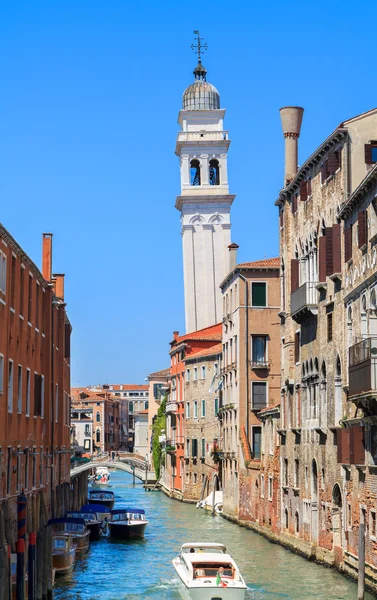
(304, 302)
(170, 446)
(171, 407)
(362, 371)
(260, 364)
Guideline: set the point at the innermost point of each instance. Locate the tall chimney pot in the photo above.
(47, 256)
(232, 256)
(59, 285)
(291, 119)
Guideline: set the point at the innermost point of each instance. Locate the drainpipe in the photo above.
(246, 351)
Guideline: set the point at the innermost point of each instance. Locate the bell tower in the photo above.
(204, 203)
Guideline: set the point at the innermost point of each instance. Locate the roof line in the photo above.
(358, 193)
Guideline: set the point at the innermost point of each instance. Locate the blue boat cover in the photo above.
(97, 508)
(136, 511)
(66, 520)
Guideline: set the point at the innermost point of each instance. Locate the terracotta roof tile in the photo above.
(160, 373)
(216, 349)
(208, 333)
(266, 263)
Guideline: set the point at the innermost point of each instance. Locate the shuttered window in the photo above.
(303, 191)
(351, 445)
(331, 164)
(194, 448)
(294, 275)
(370, 153)
(348, 243)
(329, 327)
(329, 269)
(37, 395)
(258, 293)
(336, 249)
(362, 228)
(297, 347)
(309, 186)
(67, 340)
(259, 394)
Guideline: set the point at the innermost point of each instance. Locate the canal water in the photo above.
(134, 570)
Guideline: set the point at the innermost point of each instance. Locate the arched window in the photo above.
(194, 172)
(98, 417)
(98, 436)
(214, 172)
(286, 520)
(297, 522)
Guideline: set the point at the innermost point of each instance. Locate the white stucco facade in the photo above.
(204, 207)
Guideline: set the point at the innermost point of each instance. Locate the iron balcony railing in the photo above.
(305, 296)
(362, 351)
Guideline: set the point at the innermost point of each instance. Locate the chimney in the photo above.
(232, 256)
(59, 285)
(47, 256)
(291, 119)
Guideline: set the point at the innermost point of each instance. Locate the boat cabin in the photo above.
(212, 569)
(87, 516)
(97, 495)
(213, 548)
(99, 509)
(61, 544)
(128, 514)
(69, 525)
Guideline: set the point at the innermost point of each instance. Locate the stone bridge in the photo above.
(129, 465)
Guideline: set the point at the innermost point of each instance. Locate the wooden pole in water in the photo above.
(213, 497)
(20, 581)
(361, 575)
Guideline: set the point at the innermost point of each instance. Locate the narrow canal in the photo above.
(116, 570)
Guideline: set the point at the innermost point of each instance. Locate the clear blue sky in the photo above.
(90, 93)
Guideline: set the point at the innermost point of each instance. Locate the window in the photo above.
(258, 294)
(194, 448)
(297, 473)
(256, 441)
(216, 406)
(131, 407)
(41, 466)
(22, 284)
(262, 486)
(259, 394)
(3, 272)
(98, 436)
(27, 392)
(285, 472)
(329, 327)
(1, 373)
(214, 172)
(195, 415)
(10, 386)
(203, 447)
(30, 299)
(9, 470)
(187, 410)
(195, 373)
(270, 487)
(371, 153)
(203, 372)
(37, 395)
(259, 349)
(203, 408)
(13, 282)
(297, 347)
(56, 403)
(195, 172)
(195, 477)
(19, 389)
(187, 447)
(87, 430)
(37, 307)
(87, 445)
(187, 374)
(294, 203)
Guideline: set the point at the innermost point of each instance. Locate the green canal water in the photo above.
(115, 570)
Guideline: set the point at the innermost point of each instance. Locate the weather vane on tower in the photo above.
(198, 47)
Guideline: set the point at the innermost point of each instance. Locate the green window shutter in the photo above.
(258, 294)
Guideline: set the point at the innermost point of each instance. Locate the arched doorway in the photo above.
(338, 392)
(336, 516)
(314, 502)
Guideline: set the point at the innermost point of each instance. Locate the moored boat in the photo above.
(74, 527)
(128, 523)
(101, 477)
(206, 572)
(63, 554)
(106, 498)
(93, 520)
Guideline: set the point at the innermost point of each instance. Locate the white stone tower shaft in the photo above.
(204, 202)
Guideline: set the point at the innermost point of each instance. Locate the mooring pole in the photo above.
(31, 566)
(9, 574)
(361, 574)
(214, 492)
(21, 515)
(20, 581)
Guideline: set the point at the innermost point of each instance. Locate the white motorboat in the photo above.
(207, 503)
(206, 572)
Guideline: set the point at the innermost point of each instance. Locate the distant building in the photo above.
(158, 388)
(107, 426)
(141, 433)
(82, 429)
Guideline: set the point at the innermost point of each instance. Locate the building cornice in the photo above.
(359, 193)
(337, 136)
(226, 199)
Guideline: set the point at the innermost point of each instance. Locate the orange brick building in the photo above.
(34, 389)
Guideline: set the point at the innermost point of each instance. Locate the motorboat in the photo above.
(63, 554)
(209, 503)
(74, 527)
(128, 523)
(101, 477)
(206, 572)
(106, 498)
(94, 521)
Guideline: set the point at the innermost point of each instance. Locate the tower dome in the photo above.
(200, 95)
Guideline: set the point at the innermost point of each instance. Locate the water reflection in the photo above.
(121, 569)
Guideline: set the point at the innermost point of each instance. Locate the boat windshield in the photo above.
(126, 516)
(213, 549)
(74, 528)
(225, 570)
(101, 496)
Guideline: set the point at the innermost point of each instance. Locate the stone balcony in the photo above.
(171, 407)
(304, 302)
(362, 371)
